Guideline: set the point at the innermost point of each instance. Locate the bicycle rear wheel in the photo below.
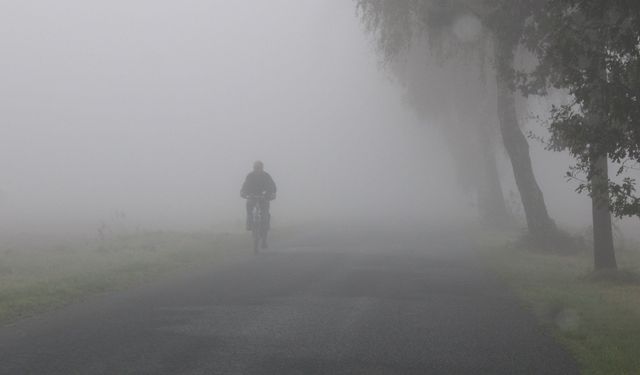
(256, 229)
(256, 241)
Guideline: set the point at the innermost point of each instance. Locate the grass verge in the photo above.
(37, 278)
(597, 320)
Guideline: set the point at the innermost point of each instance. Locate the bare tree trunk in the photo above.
(540, 225)
(604, 256)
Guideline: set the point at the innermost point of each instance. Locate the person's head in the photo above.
(258, 166)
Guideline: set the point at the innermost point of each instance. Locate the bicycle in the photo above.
(259, 222)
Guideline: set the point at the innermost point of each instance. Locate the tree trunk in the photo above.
(540, 225)
(491, 204)
(604, 256)
(475, 159)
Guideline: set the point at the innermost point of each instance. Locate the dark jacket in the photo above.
(257, 183)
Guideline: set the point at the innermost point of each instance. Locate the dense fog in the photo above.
(158, 109)
(154, 111)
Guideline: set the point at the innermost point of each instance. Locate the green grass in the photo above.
(597, 320)
(34, 279)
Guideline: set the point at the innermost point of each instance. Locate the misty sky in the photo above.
(158, 108)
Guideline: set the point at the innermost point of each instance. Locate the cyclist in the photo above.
(258, 183)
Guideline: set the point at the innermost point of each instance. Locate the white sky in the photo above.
(158, 108)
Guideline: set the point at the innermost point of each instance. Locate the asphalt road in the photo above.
(341, 301)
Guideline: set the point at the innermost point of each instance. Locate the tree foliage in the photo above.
(399, 23)
(591, 50)
(442, 69)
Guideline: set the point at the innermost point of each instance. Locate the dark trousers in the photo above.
(264, 206)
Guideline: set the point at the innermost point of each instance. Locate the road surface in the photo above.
(337, 301)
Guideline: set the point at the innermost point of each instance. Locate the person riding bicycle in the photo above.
(258, 184)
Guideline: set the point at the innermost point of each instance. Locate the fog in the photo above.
(155, 111)
(402, 148)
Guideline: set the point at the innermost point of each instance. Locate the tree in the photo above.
(398, 23)
(591, 50)
(446, 95)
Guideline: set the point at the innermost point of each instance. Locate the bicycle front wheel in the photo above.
(257, 236)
